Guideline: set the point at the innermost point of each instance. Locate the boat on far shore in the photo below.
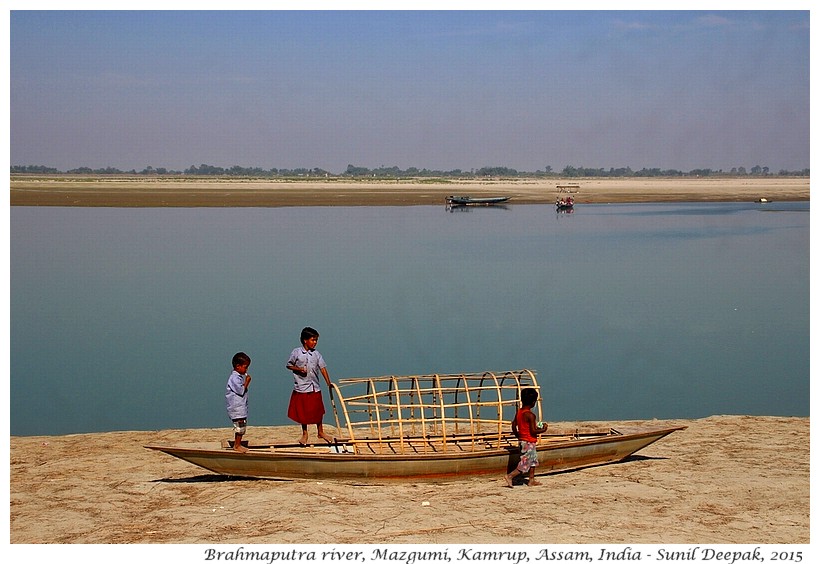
(472, 201)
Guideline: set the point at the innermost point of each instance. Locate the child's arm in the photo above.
(533, 424)
(327, 377)
(247, 381)
(237, 386)
(295, 368)
(514, 426)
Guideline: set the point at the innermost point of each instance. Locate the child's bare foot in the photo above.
(533, 483)
(303, 440)
(239, 448)
(508, 481)
(328, 439)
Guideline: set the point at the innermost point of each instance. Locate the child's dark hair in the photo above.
(307, 333)
(240, 358)
(529, 396)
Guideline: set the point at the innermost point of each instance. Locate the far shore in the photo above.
(112, 191)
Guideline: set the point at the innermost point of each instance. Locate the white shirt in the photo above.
(313, 361)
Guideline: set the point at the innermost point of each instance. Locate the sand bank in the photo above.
(725, 479)
(205, 192)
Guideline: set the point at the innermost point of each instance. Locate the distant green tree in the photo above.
(33, 169)
(568, 171)
(497, 171)
(356, 170)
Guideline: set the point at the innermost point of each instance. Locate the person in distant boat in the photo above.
(236, 397)
(525, 427)
(306, 406)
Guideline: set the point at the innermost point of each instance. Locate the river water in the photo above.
(126, 319)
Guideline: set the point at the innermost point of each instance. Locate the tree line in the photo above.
(395, 172)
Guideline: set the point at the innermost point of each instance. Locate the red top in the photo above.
(524, 426)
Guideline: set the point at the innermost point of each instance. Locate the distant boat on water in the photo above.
(471, 201)
(564, 204)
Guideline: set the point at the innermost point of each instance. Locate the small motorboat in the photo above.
(471, 201)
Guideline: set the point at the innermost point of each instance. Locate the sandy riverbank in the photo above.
(195, 192)
(724, 480)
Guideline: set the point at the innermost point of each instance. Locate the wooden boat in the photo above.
(471, 201)
(422, 427)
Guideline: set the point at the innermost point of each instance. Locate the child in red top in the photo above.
(525, 427)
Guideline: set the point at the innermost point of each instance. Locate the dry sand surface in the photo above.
(724, 480)
(213, 192)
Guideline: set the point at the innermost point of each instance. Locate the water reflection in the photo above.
(468, 208)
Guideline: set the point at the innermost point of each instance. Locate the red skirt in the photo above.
(307, 408)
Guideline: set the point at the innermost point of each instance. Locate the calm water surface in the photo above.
(127, 318)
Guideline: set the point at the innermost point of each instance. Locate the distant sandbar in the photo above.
(217, 192)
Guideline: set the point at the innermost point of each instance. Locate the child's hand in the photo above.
(247, 380)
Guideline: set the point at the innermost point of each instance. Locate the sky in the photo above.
(440, 90)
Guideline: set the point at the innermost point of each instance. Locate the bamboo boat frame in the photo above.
(429, 413)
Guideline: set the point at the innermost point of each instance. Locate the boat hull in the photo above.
(470, 201)
(555, 454)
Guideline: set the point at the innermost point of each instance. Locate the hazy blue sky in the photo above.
(437, 90)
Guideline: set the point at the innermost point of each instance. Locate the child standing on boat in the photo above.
(236, 397)
(306, 406)
(525, 427)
